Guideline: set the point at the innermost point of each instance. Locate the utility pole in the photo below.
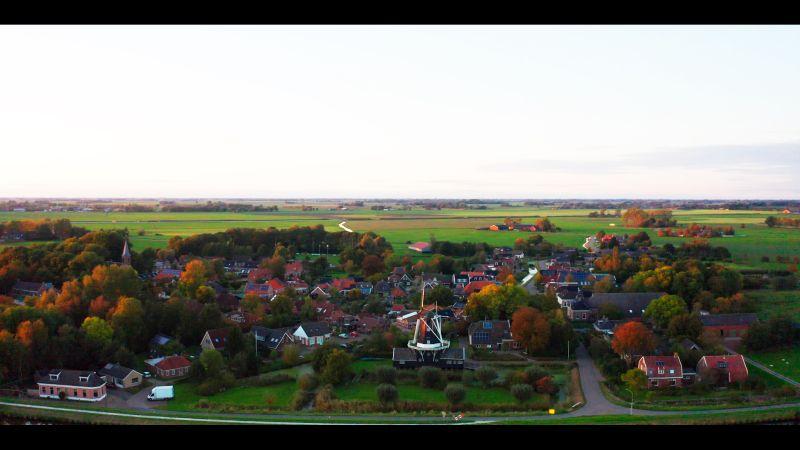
(631, 400)
(567, 350)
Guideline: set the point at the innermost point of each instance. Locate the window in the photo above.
(671, 371)
(95, 394)
(722, 365)
(672, 382)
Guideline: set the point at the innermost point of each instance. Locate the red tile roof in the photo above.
(476, 286)
(173, 362)
(660, 366)
(736, 366)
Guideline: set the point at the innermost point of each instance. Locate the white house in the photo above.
(312, 333)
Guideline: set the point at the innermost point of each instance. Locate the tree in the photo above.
(685, 326)
(97, 331)
(635, 379)
(194, 275)
(307, 382)
(486, 375)
(496, 302)
(387, 393)
(291, 355)
(386, 375)
(632, 338)
(205, 294)
(372, 264)
(531, 329)
(441, 295)
(455, 394)
(127, 319)
(429, 377)
(522, 392)
(234, 343)
(661, 310)
(337, 367)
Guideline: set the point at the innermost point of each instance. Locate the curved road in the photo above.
(596, 404)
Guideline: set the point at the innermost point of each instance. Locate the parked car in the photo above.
(354, 333)
(147, 374)
(162, 393)
(344, 335)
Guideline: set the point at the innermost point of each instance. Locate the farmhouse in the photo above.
(169, 366)
(723, 369)
(120, 376)
(727, 325)
(662, 371)
(80, 385)
(420, 247)
(312, 333)
(630, 304)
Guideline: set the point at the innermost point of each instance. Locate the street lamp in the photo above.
(631, 399)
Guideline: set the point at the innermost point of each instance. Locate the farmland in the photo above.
(748, 246)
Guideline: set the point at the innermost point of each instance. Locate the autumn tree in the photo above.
(194, 275)
(127, 319)
(531, 329)
(633, 338)
(635, 380)
(661, 310)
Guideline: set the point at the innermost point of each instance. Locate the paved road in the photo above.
(342, 226)
(596, 402)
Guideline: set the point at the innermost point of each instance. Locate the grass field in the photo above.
(747, 246)
(277, 396)
(785, 362)
(776, 303)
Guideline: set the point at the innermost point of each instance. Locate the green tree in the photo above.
(430, 377)
(455, 394)
(522, 392)
(635, 380)
(661, 310)
(337, 367)
(486, 375)
(97, 331)
(387, 393)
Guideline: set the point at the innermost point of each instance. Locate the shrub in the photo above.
(291, 355)
(455, 394)
(323, 401)
(266, 379)
(545, 385)
(203, 403)
(307, 382)
(783, 391)
(486, 375)
(430, 377)
(514, 377)
(386, 375)
(534, 374)
(467, 377)
(522, 392)
(387, 393)
(301, 399)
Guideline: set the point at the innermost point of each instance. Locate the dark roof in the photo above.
(719, 320)
(65, 377)
(30, 286)
(458, 354)
(160, 339)
(489, 331)
(630, 303)
(316, 328)
(403, 354)
(218, 337)
(115, 370)
(271, 337)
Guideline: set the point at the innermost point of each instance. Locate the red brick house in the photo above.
(732, 368)
(294, 269)
(662, 371)
(169, 366)
(81, 385)
(727, 325)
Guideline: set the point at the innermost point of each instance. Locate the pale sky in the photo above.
(400, 111)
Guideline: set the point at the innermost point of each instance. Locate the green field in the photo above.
(786, 362)
(747, 246)
(278, 396)
(776, 303)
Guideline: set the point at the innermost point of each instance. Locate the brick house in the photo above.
(732, 368)
(81, 385)
(120, 376)
(662, 371)
(727, 325)
(169, 366)
(215, 339)
(492, 335)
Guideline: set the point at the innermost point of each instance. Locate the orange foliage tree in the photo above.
(633, 338)
(530, 328)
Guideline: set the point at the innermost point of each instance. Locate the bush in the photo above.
(265, 380)
(387, 393)
(386, 375)
(522, 392)
(291, 355)
(783, 391)
(534, 374)
(514, 377)
(430, 377)
(307, 382)
(323, 401)
(301, 399)
(455, 394)
(467, 377)
(486, 375)
(203, 403)
(545, 385)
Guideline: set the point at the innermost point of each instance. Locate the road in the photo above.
(596, 404)
(342, 226)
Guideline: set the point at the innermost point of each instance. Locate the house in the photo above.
(169, 366)
(366, 323)
(606, 326)
(81, 385)
(476, 286)
(727, 325)
(300, 286)
(215, 339)
(365, 287)
(630, 304)
(157, 342)
(728, 368)
(272, 338)
(398, 294)
(294, 270)
(566, 295)
(421, 247)
(344, 285)
(167, 275)
(407, 320)
(492, 335)
(320, 291)
(22, 289)
(662, 371)
(259, 275)
(383, 288)
(120, 376)
(312, 333)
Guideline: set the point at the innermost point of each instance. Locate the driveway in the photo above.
(596, 402)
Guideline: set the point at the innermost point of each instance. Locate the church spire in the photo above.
(126, 254)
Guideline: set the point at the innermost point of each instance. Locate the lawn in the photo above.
(776, 303)
(785, 362)
(278, 396)
(414, 392)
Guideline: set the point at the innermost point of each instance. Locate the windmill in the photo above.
(428, 342)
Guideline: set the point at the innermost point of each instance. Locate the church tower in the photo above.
(126, 255)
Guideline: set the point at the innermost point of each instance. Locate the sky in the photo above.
(400, 111)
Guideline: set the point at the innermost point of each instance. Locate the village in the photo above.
(508, 333)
